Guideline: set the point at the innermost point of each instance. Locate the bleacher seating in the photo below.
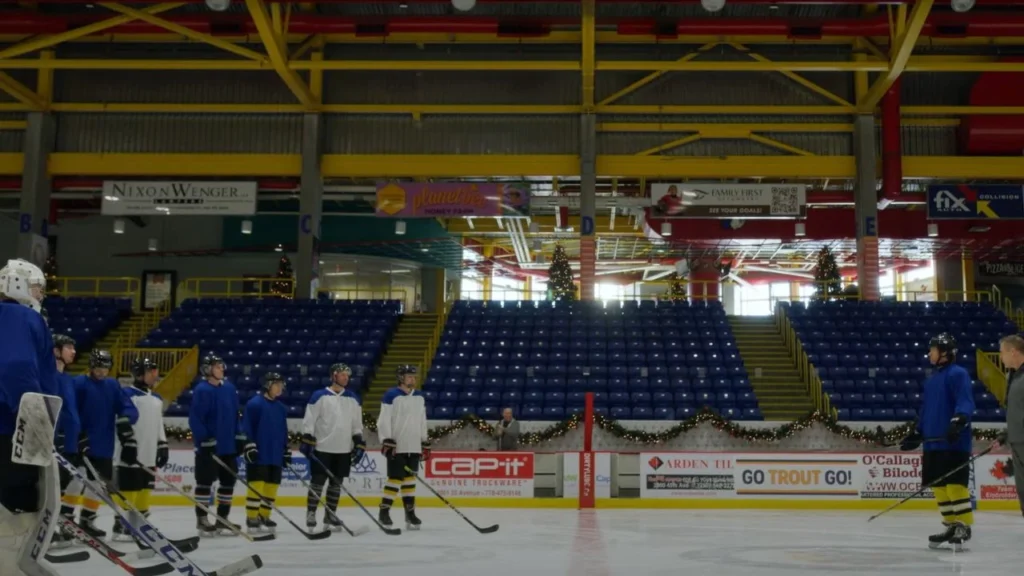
(87, 320)
(299, 339)
(643, 360)
(872, 357)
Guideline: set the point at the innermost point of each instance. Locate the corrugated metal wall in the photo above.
(180, 133)
(11, 140)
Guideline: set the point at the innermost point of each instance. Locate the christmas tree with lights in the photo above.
(50, 272)
(282, 287)
(560, 283)
(827, 280)
(677, 290)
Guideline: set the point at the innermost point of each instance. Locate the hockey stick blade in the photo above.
(383, 528)
(309, 535)
(309, 489)
(487, 530)
(185, 545)
(240, 567)
(110, 554)
(80, 556)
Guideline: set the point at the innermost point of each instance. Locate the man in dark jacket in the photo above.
(1011, 352)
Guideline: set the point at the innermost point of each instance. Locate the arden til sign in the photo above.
(132, 198)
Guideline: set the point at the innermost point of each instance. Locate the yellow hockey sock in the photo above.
(126, 500)
(142, 501)
(960, 503)
(942, 500)
(270, 496)
(252, 500)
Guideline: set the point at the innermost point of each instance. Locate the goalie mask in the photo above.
(24, 283)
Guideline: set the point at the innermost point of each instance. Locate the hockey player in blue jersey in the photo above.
(944, 428)
(266, 423)
(332, 431)
(26, 365)
(68, 430)
(216, 430)
(106, 413)
(402, 424)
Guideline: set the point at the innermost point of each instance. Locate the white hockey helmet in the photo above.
(23, 282)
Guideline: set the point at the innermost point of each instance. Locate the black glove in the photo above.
(956, 425)
(389, 448)
(425, 451)
(913, 441)
(75, 459)
(250, 453)
(307, 444)
(1002, 436)
(83, 444)
(1008, 469)
(358, 448)
(241, 441)
(163, 454)
(287, 458)
(130, 452)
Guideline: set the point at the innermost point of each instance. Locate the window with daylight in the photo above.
(504, 288)
(610, 291)
(539, 290)
(887, 283)
(755, 300)
(472, 289)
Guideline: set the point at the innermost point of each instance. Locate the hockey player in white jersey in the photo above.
(403, 426)
(29, 486)
(332, 431)
(151, 443)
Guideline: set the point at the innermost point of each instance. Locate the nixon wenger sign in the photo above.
(132, 198)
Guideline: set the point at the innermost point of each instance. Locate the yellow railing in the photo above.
(179, 377)
(806, 369)
(1006, 305)
(435, 339)
(367, 293)
(95, 287)
(233, 288)
(165, 358)
(993, 374)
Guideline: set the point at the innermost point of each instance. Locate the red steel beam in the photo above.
(808, 2)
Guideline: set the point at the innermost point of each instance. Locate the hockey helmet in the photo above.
(340, 367)
(945, 343)
(23, 282)
(62, 340)
(143, 364)
(270, 378)
(101, 359)
(404, 369)
(209, 361)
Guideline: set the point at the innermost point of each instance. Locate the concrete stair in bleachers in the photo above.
(781, 394)
(119, 333)
(409, 344)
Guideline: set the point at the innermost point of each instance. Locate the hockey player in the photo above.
(28, 494)
(216, 430)
(133, 482)
(332, 431)
(106, 413)
(944, 427)
(403, 426)
(266, 423)
(67, 432)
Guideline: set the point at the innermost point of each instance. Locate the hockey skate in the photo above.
(61, 539)
(411, 521)
(253, 526)
(961, 535)
(384, 517)
(223, 527)
(935, 541)
(205, 528)
(331, 521)
(86, 523)
(268, 525)
(311, 519)
(119, 534)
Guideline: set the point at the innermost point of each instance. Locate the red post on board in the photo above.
(586, 472)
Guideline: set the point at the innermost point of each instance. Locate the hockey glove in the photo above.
(83, 445)
(956, 426)
(425, 451)
(287, 458)
(130, 452)
(250, 453)
(1008, 468)
(163, 454)
(241, 441)
(307, 444)
(912, 441)
(358, 449)
(389, 448)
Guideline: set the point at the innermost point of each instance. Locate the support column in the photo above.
(34, 206)
(967, 271)
(704, 285)
(866, 206)
(527, 288)
(311, 198)
(488, 271)
(588, 205)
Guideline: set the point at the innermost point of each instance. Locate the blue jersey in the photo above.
(947, 393)
(70, 422)
(213, 415)
(266, 424)
(100, 404)
(26, 360)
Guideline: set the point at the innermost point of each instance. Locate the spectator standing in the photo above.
(507, 431)
(1011, 352)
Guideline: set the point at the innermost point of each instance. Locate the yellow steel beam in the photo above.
(771, 142)
(746, 128)
(670, 145)
(812, 86)
(20, 92)
(653, 76)
(899, 57)
(278, 53)
(312, 41)
(44, 79)
(186, 32)
(40, 42)
(13, 124)
(316, 78)
(588, 43)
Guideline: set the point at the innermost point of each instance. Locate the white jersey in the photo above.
(333, 419)
(149, 429)
(403, 418)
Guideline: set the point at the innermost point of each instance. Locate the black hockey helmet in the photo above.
(101, 359)
(209, 361)
(945, 343)
(404, 369)
(340, 367)
(143, 364)
(62, 340)
(270, 378)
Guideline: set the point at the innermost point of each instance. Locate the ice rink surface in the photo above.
(611, 542)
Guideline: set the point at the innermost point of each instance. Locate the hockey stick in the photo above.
(186, 545)
(80, 556)
(487, 530)
(308, 535)
(385, 529)
(111, 554)
(936, 481)
(205, 508)
(152, 537)
(353, 533)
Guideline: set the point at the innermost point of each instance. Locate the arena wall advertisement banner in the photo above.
(451, 199)
(132, 198)
(710, 200)
(825, 476)
(602, 473)
(481, 474)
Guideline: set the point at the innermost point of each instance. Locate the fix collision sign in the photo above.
(482, 474)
